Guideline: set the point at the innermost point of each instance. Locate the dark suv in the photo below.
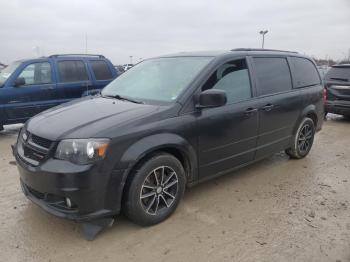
(337, 86)
(167, 123)
(30, 86)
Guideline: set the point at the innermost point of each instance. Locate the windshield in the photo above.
(338, 73)
(6, 72)
(160, 79)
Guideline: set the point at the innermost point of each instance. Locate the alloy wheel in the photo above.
(159, 190)
(305, 138)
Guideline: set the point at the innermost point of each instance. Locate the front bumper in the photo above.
(93, 192)
(340, 107)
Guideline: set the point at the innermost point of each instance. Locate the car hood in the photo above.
(86, 117)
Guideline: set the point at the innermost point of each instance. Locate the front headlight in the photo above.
(82, 151)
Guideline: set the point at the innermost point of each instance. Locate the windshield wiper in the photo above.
(119, 97)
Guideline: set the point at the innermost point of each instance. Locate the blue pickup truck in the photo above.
(28, 87)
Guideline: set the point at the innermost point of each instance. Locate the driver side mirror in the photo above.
(212, 98)
(20, 81)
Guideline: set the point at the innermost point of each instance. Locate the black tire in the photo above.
(146, 186)
(303, 139)
(1, 127)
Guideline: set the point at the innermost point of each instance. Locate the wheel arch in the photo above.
(309, 111)
(148, 146)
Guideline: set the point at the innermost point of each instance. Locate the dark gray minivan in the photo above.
(167, 123)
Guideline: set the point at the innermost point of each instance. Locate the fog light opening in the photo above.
(68, 202)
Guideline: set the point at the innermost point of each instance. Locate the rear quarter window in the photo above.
(101, 70)
(273, 75)
(304, 72)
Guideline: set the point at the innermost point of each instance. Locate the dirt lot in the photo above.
(275, 210)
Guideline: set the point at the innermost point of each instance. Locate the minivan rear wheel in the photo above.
(303, 139)
(156, 189)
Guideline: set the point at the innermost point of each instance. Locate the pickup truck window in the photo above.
(72, 71)
(36, 73)
(101, 70)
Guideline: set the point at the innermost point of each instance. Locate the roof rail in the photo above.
(261, 49)
(92, 55)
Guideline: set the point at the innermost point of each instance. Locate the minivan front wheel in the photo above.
(303, 139)
(156, 189)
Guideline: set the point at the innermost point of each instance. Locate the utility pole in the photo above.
(263, 33)
(86, 43)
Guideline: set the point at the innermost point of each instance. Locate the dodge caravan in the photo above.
(165, 124)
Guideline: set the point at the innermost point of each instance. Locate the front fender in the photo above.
(157, 142)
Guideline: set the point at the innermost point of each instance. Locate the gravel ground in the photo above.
(275, 210)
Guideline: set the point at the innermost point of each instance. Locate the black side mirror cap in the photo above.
(212, 98)
(20, 81)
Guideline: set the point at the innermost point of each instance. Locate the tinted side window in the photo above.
(233, 78)
(101, 70)
(72, 71)
(304, 72)
(273, 75)
(37, 73)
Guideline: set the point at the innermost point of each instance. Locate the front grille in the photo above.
(33, 149)
(43, 142)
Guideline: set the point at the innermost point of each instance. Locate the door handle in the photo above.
(249, 111)
(268, 107)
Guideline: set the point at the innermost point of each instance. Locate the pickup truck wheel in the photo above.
(303, 139)
(155, 190)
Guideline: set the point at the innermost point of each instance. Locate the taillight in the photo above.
(324, 94)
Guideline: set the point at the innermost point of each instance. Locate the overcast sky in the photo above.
(144, 29)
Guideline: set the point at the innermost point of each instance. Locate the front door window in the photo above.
(36, 74)
(233, 78)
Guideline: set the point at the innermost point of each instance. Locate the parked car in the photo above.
(337, 86)
(128, 66)
(120, 69)
(28, 87)
(167, 123)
